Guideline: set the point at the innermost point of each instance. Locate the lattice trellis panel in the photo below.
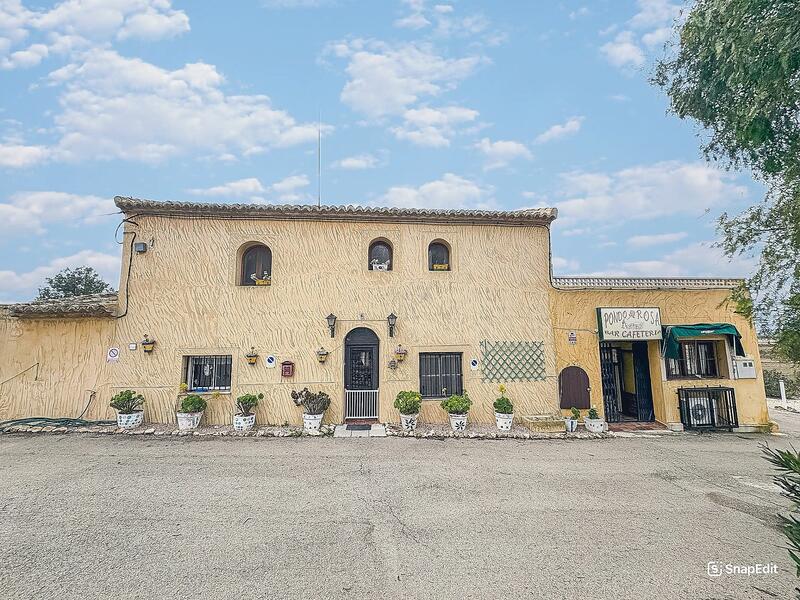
(512, 361)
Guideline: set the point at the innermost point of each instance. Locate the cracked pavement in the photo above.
(85, 516)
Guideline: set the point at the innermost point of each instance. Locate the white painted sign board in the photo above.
(629, 324)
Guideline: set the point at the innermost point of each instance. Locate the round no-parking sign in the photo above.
(112, 355)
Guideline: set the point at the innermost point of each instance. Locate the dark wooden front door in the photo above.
(573, 388)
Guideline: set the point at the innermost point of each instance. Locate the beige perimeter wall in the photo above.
(183, 293)
(575, 310)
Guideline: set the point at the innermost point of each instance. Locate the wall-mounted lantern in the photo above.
(252, 356)
(147, 344)
(392, 320)
(400, 353)
(331, 318)
(322, 354)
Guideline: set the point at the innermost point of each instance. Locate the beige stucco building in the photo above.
(436, 301)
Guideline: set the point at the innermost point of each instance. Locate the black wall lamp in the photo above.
(331, 318)
(392, 320)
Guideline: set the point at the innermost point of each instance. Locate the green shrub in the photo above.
(246, 403)
(503, 406)
(787, 464)
(457, 405)
(773, 389)
(593, 414)
(127, 402)
(408, 403)
(193, 404)
(576, 414)
(313, 403)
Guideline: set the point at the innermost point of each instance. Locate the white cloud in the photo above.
(701, 259)
(580, 12)
(500, 153)
(17, 155)
(33, 211)
(645, 192)
(240, 187)
(643, 241)
(285, 190)
(562, 264)
(570, 127)
(125, 108)
(653, 13)
(433, 127)
(623, 51)
(451, 191)
(78, 24)
(357, 162)
(387, 79)
(412, 21)
(17, 286)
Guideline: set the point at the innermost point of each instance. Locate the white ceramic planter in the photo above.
(594, 425)
(409, 422)
(130, 421)
(504, 421)
(571, 425)
(243, 423)
(458, 422)
(189, 420)
(311, 422)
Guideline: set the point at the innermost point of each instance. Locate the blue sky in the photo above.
(460, 104)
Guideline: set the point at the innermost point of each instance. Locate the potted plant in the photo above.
(571, 422)
(408, 403)
(252, 356)
(127, 405)
(244, 420)
(457, 406)
(593, 422)
(314, 406)
(191, 411)
(503, 411)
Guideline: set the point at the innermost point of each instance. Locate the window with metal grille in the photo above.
(438, 256)
(440, 374)
(698, 360)
(204, 373)
(256, 266)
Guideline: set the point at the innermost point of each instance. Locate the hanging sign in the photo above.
(112, 355)
(629, 324)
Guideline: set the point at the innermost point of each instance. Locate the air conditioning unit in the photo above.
(744, 367)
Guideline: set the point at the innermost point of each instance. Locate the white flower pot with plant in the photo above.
(457, 407)
(408, 403)
(127, 404)
(593, 422)
(245, 419)
(314, 406)
(191, 411)
(503, 411)
(571, 422)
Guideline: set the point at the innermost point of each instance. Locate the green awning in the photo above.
(674, 333)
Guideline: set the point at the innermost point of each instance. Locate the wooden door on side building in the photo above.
(573, 388)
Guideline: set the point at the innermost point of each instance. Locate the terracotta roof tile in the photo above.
(91, 305)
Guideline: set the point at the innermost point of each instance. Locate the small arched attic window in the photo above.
(256, 267)
(380, 256)
(438, 256)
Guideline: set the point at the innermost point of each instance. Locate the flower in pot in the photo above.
(148, 344)
(400, 353)
(191, 411)
(244, 419)
(503, 411)
(252, 356)
(593, 422)
(408, 403)
(457, 406)
(314, 406)
(128, 406)
(322, 354)
(571, 422)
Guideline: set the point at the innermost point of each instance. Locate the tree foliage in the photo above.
(736, 71)
(787, 464)
(73, 282)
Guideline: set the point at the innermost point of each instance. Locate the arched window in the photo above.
(380, 256)
(256, 266)
(438, 256)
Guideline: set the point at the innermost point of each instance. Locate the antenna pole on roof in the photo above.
(319, 161)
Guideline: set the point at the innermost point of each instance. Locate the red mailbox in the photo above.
(287, 369)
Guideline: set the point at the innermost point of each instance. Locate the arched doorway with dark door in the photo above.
(574, 389)
(361, 347)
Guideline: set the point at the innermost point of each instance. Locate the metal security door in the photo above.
(361, 375)
(609, 382)
(644, 391)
